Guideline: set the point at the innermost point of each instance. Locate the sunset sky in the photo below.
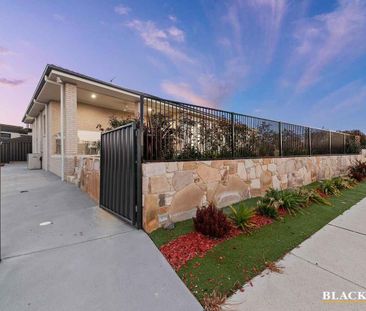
(297, 61)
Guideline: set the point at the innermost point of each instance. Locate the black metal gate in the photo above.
(120, 179)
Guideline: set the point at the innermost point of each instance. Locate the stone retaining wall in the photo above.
(176, 189)
(87, 175)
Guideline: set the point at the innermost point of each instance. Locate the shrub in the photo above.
(312, 196)
(290, 200)
(328, 187)
(266, 208)
(357, 171)
(241, 216)
(211, 221)
(342, 183)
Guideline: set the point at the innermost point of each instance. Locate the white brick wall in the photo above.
(71, 127)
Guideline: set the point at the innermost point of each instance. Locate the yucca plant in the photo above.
(265, 207)
(241, 215)
(328, 187)
(342, 183)
(312, 196)
(290, 200)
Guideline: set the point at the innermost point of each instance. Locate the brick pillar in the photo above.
(70, 127)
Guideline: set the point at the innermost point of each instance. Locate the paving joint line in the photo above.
(325, 269)
(66, 245)
(343, 228)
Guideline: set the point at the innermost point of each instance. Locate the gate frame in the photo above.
(137, 220)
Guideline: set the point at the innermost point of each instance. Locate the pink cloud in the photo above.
(330, 37)
(161, 39)
(183, 91)
(348, 99)
(11, 82)
(176, 34)
(122, 9)
(267, 15)
(5, 51)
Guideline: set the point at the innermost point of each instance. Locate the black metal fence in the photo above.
(15, 149)
(179, 131)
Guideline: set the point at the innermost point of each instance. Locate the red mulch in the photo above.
(259, 221)
(195, 244)
(282, 212)
(322, 194)
(191, 245)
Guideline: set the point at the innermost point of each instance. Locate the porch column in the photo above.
(70, 128)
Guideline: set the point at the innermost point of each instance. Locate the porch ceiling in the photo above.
(88, 92)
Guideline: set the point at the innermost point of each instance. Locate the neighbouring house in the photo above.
(174, 157)
(8, 131)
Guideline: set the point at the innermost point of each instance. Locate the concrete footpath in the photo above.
(333, 260)
(81, 257)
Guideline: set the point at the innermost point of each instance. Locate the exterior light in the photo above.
(93, 96)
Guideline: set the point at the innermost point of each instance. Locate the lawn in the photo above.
(234, 262)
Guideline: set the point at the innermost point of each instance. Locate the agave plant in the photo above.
(241, 216)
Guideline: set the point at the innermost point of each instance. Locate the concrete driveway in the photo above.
(86, 259)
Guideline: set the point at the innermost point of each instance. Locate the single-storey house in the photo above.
(65, 110)
(173, 157)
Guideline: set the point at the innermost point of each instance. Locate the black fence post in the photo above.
(139, 158)
(232, 136)
(280, 134)
(330, 142)
(309, 138)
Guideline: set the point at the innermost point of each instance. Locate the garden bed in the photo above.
(230, 263)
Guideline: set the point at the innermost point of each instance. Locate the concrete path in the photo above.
(86, 259)
(333, 259)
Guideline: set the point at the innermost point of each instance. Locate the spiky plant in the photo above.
(312, 196)
(328, 187)
(241, 216)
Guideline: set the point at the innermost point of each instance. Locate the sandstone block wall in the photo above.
(178, 188)
(87, 175)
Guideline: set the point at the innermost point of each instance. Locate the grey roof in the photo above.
(14, 129)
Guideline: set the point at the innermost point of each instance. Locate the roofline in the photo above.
(50, 67)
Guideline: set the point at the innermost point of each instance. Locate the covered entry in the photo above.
(119, 168)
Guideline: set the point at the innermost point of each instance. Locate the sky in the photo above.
(297, 61)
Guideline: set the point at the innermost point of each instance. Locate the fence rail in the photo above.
(179, 131)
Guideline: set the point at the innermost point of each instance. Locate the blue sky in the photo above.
(297, 61)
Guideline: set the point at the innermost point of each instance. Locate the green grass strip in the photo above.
(162, 236)
(236, 261)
